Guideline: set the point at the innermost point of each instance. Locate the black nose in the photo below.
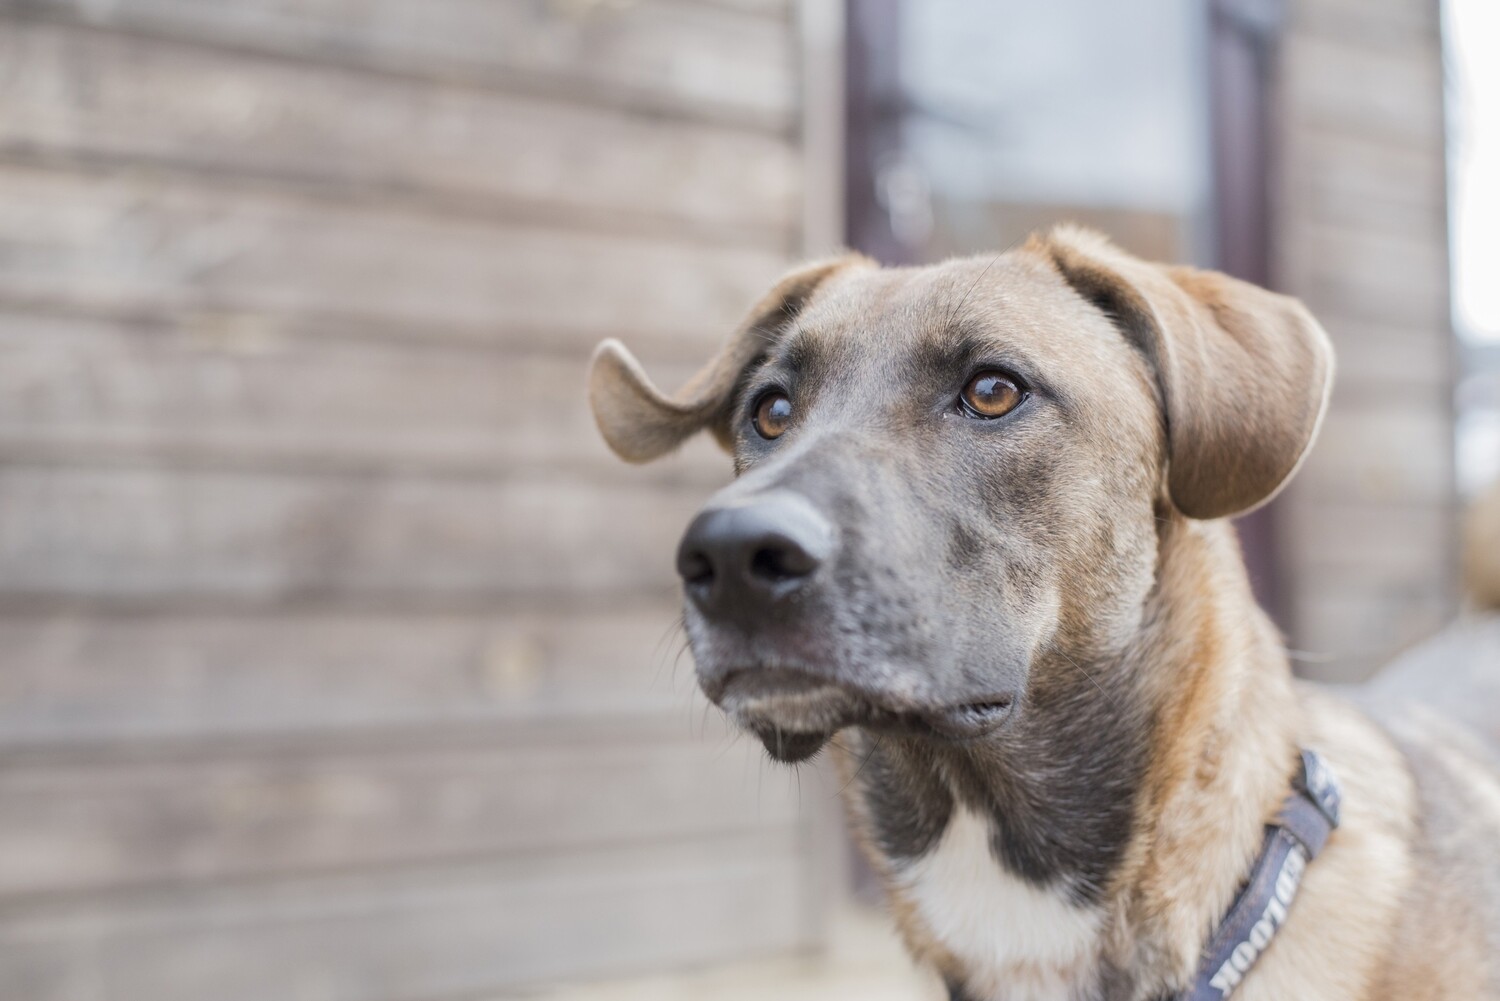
(748, 554)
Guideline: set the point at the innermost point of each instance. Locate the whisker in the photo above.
(677, 659)
(677, 625)
(878, 740)
(1107, 696)
(954, 312)
(760, 776)
(770, 335)
(666, 634)
(730, 740)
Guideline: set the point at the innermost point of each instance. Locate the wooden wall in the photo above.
(338, 655)
(1368, 528)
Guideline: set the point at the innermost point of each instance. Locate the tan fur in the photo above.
(1212, 683)
(1397, 905)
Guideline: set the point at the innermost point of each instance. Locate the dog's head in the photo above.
(951, 477)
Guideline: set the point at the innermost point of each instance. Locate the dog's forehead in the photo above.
(1016, 299)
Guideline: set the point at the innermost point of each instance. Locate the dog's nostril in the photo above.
(779, 563)
(696, 569)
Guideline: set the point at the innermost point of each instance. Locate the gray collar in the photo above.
(1307, 817)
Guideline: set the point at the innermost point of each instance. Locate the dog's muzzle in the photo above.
(756, 571)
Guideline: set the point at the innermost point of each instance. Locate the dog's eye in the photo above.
(772, 415)
(991, 394)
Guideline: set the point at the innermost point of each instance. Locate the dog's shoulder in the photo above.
(1416, 857)
(1451, 915)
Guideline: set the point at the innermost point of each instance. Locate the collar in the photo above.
(1293, 839)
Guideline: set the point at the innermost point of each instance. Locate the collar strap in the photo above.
(1293, 839)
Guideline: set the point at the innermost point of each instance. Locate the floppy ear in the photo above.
(640, 422)
(1243, 373)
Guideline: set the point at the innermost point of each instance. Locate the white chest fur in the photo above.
(1017, 942)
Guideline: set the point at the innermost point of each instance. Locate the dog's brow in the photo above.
(797, 350)
(954, 347)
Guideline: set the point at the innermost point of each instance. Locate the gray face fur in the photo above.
(973, 558)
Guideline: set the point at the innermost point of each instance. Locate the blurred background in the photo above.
(340, 660)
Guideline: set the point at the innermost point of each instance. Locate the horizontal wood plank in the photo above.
(1368, 539)
(1340, 542)
(1373, 357)
(88, 390)
(1350, 630)
(463, 930)
(1385, 452)
(1389, 94)
(1345, 179)
(77, 93)
(1373, 23)
(80, 679)
(151, 536)
(664, 55)
(1364, 273)
(256, 262)
(95, 822)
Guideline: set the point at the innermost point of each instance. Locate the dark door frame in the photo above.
(1242, 40)
(872, 124)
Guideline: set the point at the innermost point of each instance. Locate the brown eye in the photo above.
(773, 413)
(991, 394)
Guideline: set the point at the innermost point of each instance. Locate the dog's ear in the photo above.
(640, 422)
(1243, 373)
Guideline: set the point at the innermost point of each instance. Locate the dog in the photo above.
(978, 530)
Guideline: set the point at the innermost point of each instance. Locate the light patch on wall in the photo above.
(1471, 31)
(1472, 34)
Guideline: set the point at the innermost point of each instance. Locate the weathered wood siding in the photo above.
(1368, 528)
(338, 654)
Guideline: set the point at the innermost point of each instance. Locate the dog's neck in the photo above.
(1038, 864)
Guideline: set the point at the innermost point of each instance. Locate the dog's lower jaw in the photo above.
(795, 712)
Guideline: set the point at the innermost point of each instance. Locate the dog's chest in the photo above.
(1013, 941)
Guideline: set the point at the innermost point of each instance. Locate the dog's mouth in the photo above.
(795, 713)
